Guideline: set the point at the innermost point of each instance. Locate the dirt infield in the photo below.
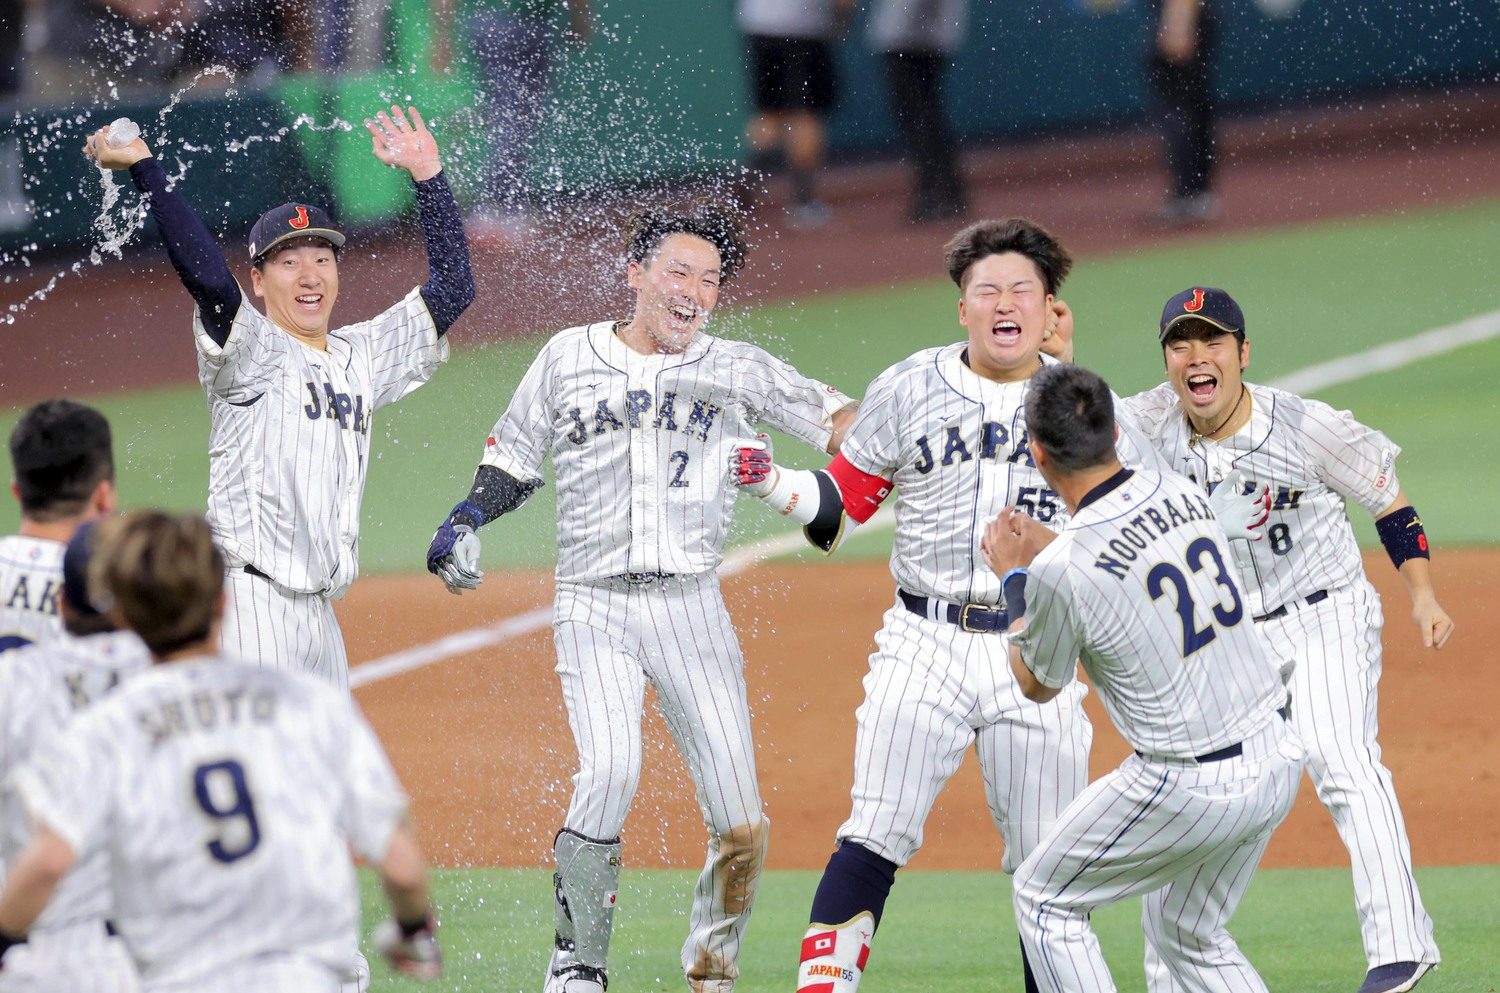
(483, 746)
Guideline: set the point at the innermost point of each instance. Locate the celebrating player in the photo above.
(640, 418)
(224, 797)
(70, 947)
(1140, 571)
(944, 428)
(1305, 587)
(65, 475)
(290, 401)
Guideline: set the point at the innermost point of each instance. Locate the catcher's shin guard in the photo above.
(586, 881)
(834, 956)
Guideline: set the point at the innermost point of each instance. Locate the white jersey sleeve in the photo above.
(375, 802)
(777, 394)
(30, 578)
(1356, 461)
(65, 785)
(874, 442)
(405, 348)
(1050, 640)
(519, 441)
(247, 365)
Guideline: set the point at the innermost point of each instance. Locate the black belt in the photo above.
(257, 573)
(979, 618)
(643, 578)
(1233, 751)
(1280, 611)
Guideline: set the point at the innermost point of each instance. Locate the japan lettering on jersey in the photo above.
(30, 580)
(1189, 675)
(227, 797)
(640, 443)
(41, 688)
(955, 446)
(290, 436)
(1314, 459)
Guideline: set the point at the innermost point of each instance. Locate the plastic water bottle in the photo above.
(122, 131)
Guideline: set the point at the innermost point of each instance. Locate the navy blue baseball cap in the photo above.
(1203, 303)
(75, 567)
(292, 220)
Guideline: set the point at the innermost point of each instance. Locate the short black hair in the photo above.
(1013, 234)
(61, 451)
(1072, 413)
(721, 227)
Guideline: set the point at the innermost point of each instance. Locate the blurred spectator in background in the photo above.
(794, 85)
(916, 38)
(15, 209)
(515, 46)
(1180, 73)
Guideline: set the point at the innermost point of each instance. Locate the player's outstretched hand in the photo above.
(1241, 514)
(1433, 622)
(453, 556)
(1057, 335)
(107, 156)
(401, 139)
(1012, 540)
(410, 951)
(751, 467)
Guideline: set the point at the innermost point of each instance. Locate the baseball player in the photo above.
(64, 475)
(1139, 586)
(942, 429)
(640, 417)
(70, 947)
(291, 402)
(224, 797)
(1306, 589)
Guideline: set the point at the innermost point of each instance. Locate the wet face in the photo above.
(675, 290)
(1004, 308)
(1205, 366)
(299, 284)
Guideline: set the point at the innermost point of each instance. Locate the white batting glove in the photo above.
(459, 569)
(1241, 515)
(417, 955)
(751, 467)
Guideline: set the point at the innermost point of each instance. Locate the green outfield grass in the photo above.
(942, 931)
(1310, 294)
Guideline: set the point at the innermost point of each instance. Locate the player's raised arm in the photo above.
(401, 140)
(190, 248)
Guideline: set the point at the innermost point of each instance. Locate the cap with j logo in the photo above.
(291, 220)
(1202, 303)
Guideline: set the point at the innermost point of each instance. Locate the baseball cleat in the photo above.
(1397, 977)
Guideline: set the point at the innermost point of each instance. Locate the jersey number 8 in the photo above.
(220, 790)
(1164, 573)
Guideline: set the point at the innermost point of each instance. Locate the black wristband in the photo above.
(1013, 588)
(9, 941)
(1402, 535)
(410, 930)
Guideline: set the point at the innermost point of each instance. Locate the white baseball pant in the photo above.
(1187, 837)
(613, 637)
(283, 630)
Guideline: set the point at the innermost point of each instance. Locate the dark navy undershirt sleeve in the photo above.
(450, 282)
(199, 263)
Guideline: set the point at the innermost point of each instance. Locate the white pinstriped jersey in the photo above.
(955, 445)
(640, 443)
(30, 579)
(41, 688)
(1139, 587)
(1313, 457)
(290, 436)
(227, 797)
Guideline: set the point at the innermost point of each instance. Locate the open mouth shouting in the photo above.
(309, 302)
(1203, 388)
(1006, 332)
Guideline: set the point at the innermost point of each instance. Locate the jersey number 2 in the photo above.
(220, 790)
(1164, 573)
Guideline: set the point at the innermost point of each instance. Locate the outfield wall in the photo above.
(661, 91)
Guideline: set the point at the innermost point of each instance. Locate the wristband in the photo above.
(410, 929)
(1013, 588)
(1402, 535)
(9, 941)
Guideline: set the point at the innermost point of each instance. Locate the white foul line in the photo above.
(1381, 358)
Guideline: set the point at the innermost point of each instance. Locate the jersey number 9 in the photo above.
(223, 796)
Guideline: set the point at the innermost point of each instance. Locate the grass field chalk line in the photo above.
(1382, 358)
